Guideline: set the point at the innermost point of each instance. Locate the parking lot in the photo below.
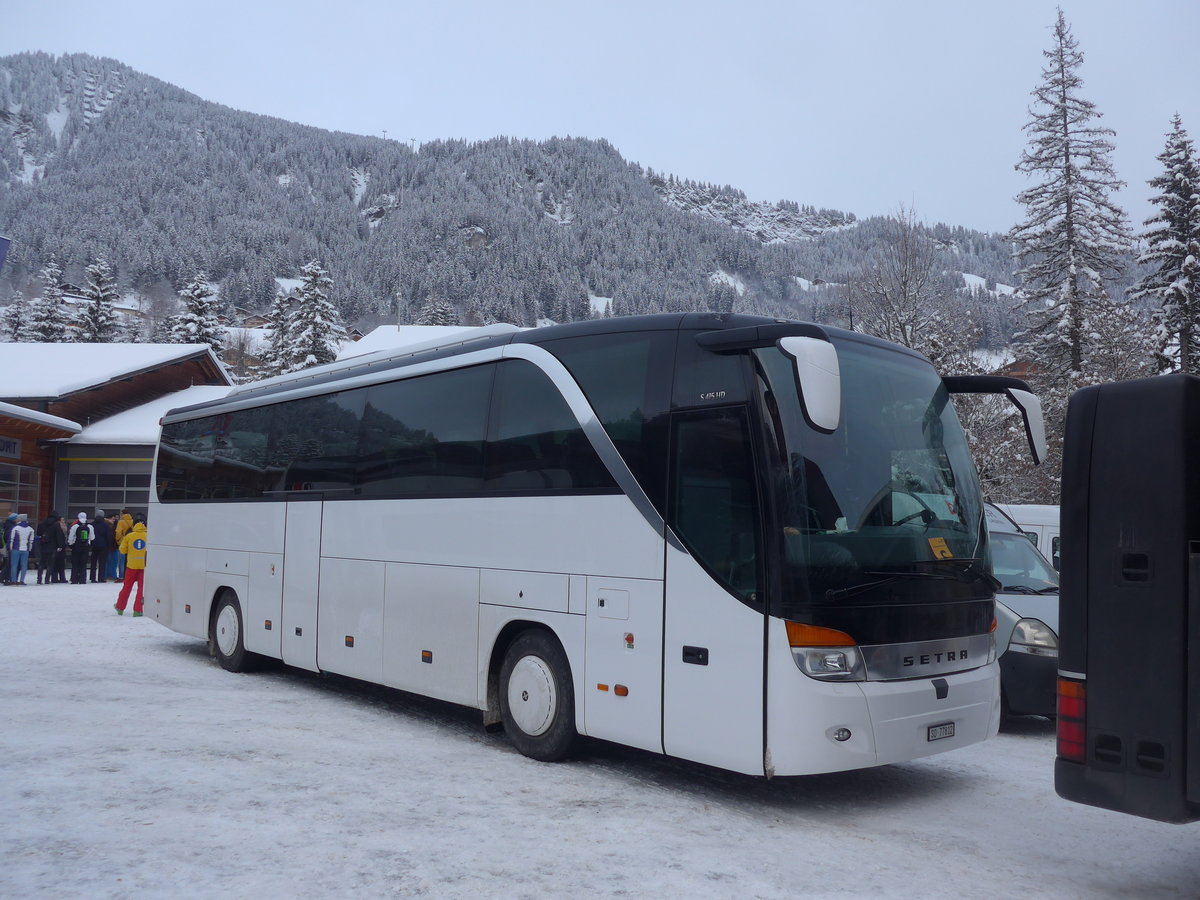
(134, 766)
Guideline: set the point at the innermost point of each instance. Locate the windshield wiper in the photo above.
(964, 570)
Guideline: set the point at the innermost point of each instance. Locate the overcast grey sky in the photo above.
(859, 105)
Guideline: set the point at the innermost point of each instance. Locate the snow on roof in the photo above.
(38, 418)
(389, 337)
(140, 424)
(34, 371)
(993, 360)
(384, 343)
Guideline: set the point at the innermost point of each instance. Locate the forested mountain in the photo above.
(99, 161)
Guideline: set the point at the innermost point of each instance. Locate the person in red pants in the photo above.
(133, 545)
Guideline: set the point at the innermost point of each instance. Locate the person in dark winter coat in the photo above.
(79, 539)
(9, 523)
(52, 550)
(60, 561)
(102, 544)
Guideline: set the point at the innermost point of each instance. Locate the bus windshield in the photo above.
(887, 508)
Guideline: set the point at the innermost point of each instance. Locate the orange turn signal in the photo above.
(801, 635)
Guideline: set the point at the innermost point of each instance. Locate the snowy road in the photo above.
(133, 766)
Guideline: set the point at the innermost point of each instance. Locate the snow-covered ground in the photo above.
(131, 765)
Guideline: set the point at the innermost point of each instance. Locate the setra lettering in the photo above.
(926, 659)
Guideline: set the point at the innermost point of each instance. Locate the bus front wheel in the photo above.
(537, 697)
(225, 635)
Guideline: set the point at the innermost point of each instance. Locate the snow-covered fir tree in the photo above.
(1173, 248)
(437, 311)
(198, 324)
(316, 329)
(98, 322)
(49, 320)
(278, 354)
(475, 314)
(1074, 237)
(163, 331)
(581, 306)
(16, 316)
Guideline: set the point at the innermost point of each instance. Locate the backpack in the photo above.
(83, 534)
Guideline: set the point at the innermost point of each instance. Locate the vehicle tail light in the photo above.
(1072, 720)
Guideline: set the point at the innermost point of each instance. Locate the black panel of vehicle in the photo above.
(1130, 603)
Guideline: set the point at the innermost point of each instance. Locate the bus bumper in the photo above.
(824, 727)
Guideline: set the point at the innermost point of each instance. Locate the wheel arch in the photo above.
(214, 601)
(510, 631)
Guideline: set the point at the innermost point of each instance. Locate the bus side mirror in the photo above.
(818, 379)
(1022, 398)
(1035, 426)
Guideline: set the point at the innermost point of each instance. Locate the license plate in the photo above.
(938, 732)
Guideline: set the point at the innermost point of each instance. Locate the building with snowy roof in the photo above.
(79, 422)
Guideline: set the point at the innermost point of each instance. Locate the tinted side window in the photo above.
(626, 378)
(242, 464)
(425, 435)
(185, 459)
(303, 445)
(535, 443)
(225, 457)
(315, 442)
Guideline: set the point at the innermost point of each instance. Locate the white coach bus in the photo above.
(750, 543)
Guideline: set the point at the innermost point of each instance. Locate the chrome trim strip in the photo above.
(1078, 676)
(590, 423)
(924, 659)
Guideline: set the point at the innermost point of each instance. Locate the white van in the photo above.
(1040, 523)
(1026, 618)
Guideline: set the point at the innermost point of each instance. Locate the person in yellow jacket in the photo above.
(123, 527)
(133, 545)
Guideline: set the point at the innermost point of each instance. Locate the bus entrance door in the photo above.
(301, 575)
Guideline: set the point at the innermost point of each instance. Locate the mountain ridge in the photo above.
(97, 159)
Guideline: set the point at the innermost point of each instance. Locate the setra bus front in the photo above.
(881, 614)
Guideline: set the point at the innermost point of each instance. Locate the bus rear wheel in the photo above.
(537, 697)
(225, 635)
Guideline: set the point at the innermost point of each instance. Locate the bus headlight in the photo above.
(825, 653)
(1035, 637)
(830, 663)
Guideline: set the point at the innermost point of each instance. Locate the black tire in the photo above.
(225, 635)
(537, 697)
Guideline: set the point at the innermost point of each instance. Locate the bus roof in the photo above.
(499, 334)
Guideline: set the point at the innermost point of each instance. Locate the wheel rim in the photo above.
(227, 630)
(532, 698)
